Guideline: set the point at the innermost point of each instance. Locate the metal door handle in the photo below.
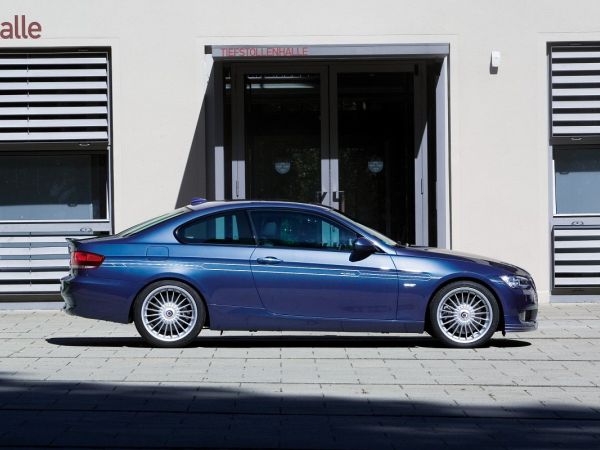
(269, 260)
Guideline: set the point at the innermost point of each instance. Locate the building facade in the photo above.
(471, 125)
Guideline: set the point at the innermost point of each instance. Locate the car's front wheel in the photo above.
(169, 313)
(464, 314)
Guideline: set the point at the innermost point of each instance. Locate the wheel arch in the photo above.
(473, 279)
(171, 277)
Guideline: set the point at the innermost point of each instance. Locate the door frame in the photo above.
(329, 143)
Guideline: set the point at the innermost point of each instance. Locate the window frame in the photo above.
(564, 142)
(58, 147)
(301, 211)
(565, 221)
(554, 150)
(177, 232)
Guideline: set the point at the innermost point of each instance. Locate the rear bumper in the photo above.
(96, 298)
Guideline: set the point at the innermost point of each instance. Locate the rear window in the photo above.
(229, 228)
(150, 223)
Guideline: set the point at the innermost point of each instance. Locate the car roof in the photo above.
(208, 207)
(257, 203)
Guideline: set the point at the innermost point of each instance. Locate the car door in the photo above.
(302, 267)
(215, 253)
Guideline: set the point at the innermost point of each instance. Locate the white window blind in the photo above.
(59, 96)
(33, 263)
(576, 257)
(575, 81)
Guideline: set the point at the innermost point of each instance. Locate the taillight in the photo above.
(85, 260)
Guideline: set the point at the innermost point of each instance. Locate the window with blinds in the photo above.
(55, 163)
(575, 146)
(576, 258)
(575, 90)
(54, 96)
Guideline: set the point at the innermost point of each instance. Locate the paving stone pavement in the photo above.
(67, 382)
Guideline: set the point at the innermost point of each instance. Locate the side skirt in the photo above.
(236, 318)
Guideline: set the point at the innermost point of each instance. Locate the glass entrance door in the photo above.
(336, 134)
(282, 153)
(373, 148)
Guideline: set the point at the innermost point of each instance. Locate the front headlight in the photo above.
(516, 282)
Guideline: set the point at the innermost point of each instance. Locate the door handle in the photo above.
(269, 260)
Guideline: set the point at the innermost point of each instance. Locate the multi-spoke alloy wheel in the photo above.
(169, 314)
(464, 314)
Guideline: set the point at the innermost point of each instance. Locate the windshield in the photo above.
(382, 237)
(149, 223)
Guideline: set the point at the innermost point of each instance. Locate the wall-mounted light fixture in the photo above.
(495, 59)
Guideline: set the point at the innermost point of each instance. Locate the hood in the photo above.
(455, 255)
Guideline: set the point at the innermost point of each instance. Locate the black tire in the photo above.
(169, 314)
(464, 314)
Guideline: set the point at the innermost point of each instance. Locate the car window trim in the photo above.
(252, 227)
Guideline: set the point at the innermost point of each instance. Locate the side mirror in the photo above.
(362, 248)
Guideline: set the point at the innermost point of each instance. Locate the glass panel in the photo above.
(291, 229)
(577, 178)
(376, 151)
(382, 237)
(283, 136)
(53, 187)
(232, 228)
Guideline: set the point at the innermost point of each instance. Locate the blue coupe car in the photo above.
(254, 265)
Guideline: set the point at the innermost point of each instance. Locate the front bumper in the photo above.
(521, 310)
(525, 321)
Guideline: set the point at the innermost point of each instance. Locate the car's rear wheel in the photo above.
(464, 314)
(169, 313)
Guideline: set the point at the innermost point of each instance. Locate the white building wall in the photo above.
(499, 123)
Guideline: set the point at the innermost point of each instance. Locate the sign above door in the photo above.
(320, 51)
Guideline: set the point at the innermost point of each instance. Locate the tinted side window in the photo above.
(296, 229)
(228, 228)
